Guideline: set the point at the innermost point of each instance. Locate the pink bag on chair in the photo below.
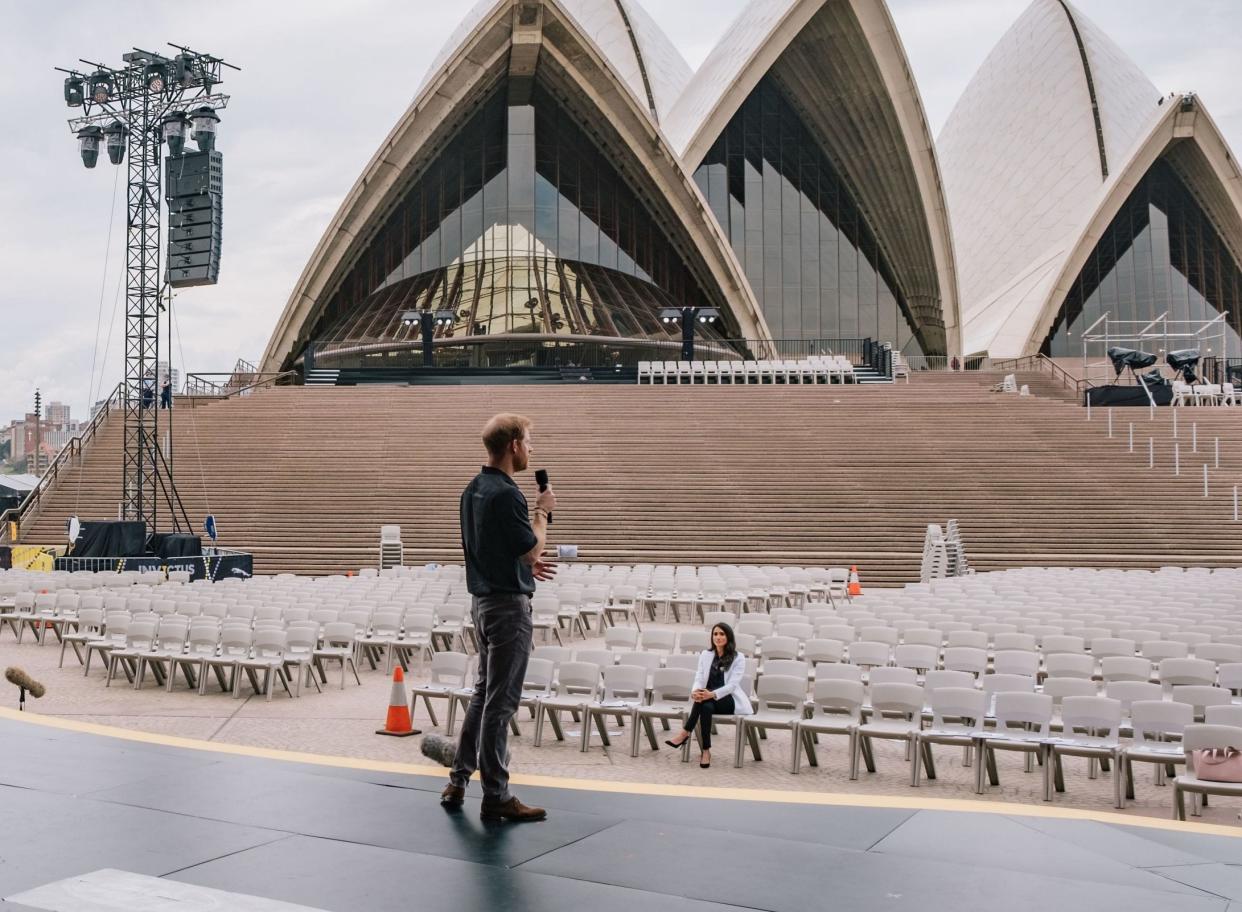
(1218, 765)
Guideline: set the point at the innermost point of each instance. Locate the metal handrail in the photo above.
(1042, 362)
(227, 391)
(73, 447)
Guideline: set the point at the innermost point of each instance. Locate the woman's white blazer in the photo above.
(733, 681)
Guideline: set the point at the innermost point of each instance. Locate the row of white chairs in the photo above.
(1203, 393)
(229, 649)
(880, 658)
(949, 710)
(815, 369)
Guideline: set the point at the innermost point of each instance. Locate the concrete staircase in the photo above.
(807, 475)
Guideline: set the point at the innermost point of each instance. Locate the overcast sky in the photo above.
(322, 82)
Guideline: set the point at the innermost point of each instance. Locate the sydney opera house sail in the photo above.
(1078, 190)
(806, 135)
(553, 181)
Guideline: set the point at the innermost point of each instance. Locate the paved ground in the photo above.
(343, 723)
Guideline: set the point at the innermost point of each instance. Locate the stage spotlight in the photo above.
(101, 86)
(206, 123)
(707, 314)
(176, 125)
(115, 136)
(88, 145)
(670, 315)
(75, 91)
(183, 70)
(156, 76)
(445, 317)
(410, 317)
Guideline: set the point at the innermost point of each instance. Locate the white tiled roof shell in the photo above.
(742, 40)
(667, 71)
(1021, 164)
(601, 20)
(458, 37)
(1126, 96)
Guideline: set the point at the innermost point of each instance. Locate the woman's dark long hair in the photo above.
(725, 659)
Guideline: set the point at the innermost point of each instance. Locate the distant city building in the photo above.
(55, 431)
(16, 433)
(57, 414)
(163, 372)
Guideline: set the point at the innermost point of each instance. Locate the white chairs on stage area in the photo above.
(822, 369)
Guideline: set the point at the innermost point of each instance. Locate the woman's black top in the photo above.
(716, 677)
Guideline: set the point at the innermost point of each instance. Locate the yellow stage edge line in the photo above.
(773, 796)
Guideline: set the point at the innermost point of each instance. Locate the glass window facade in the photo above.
(520, 225)
(1159, 254)
(807, 250)
(553, 296)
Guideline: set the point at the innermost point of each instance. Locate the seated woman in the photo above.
(717, 689)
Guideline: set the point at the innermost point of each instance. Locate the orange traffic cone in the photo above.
(855, 585)
(398, 723)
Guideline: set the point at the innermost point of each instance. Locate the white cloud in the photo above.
(322, 82)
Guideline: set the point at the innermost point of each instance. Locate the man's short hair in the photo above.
(502, 430)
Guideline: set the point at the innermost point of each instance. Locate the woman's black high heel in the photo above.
(704, 765)
(674, 745)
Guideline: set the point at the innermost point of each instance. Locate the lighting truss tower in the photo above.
(132, 109)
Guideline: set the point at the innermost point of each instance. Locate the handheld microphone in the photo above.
(24, 682)
(541, 479)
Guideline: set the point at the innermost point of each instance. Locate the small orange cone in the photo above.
(398, 723)
(855, 584)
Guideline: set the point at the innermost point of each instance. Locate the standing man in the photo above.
(503, 546)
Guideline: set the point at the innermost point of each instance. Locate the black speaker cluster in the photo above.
(194, 188)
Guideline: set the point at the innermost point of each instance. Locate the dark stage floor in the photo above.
(272, 833)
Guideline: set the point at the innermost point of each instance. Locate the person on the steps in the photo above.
(717, 690)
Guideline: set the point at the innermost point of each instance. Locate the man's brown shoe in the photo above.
(453, 796)
(512, 810)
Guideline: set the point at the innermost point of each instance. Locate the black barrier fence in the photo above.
(214, 564)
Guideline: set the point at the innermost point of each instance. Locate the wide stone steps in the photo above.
(305, 476)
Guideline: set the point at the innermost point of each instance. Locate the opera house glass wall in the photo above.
(1160, 253)
(519, 226)
(808, 253)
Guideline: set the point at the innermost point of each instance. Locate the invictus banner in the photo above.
(215, 566)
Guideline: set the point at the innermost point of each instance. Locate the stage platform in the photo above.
(92, 820)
